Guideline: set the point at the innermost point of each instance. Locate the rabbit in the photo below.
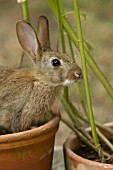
(27, 95)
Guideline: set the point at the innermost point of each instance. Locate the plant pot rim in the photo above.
(69, 146)
(27, 137)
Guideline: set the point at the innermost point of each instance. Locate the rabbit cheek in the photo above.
(56, 79)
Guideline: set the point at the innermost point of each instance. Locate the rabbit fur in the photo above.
(27, 95)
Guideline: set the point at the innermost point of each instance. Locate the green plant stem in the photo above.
(82, 98)
(60, 26)
(59, 13)
(25, 11)
(71, 48)
(85, 76)
(108, 143)
(79, 83)
(73, 58)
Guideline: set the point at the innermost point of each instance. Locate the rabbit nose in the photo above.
(78, 73)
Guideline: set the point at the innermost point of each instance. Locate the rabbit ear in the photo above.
(28, 39)
(44, 32)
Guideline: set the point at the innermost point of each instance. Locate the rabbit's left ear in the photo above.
(44, 38)
(28, 40)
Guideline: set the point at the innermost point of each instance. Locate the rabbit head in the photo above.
(51, 68)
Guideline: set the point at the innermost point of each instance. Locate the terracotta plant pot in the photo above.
(29, 150)
(75, 162)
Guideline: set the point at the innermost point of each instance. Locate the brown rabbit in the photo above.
(26, 95)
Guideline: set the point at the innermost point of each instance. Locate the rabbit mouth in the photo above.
(68, 82)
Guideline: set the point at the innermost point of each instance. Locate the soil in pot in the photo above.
(87, 152)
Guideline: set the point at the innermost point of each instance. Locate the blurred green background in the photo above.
(97, 30)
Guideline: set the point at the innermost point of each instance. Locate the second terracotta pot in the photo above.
(76, 162)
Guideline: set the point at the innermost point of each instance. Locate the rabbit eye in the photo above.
(56, 63)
